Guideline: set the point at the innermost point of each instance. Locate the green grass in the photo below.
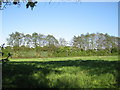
(65, 72)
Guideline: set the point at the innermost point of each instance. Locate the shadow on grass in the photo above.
(20, 75)
(28, 74)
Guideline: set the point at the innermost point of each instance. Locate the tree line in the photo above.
(38, 45)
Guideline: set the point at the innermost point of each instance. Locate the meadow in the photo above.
(63, 72)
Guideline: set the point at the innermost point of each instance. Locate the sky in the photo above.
(60, 19)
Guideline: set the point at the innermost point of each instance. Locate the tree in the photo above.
(52, 43)
(35, 39)
(67, 49)
(92, 41)
(87, 41)
(107, 41)
(75, 41)
(27, 40)
(2, 53)
(51, 40)
(62, 42)
(5, 3)
(41, 40)
(88, 44)
(99, 41)
(29, 3)
(15, 39)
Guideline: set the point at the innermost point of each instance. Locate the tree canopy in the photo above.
(40, 45)
(29, 3)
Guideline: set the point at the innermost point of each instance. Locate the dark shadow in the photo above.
(18, 74)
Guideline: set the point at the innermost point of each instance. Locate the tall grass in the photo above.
(69, 72)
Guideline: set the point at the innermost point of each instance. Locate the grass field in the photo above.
(65, 72)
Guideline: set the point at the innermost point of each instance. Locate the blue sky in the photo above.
(61, 19)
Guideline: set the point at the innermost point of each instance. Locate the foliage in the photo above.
(4, 52)
(84, 45)
(29, 3)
